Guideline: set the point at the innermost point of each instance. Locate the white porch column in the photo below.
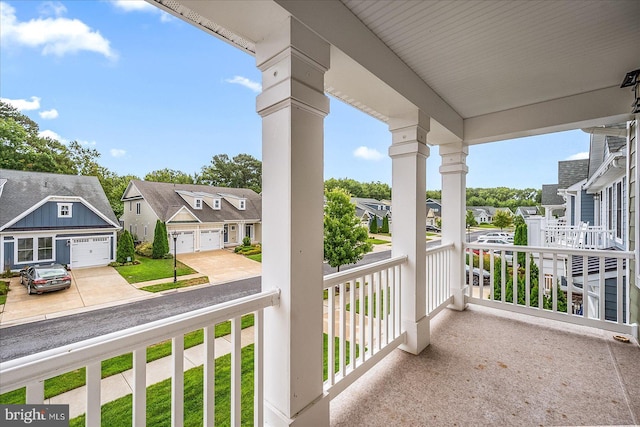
(293, 106)
(454, 209)
(409, 154)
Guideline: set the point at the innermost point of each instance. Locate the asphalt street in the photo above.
(22, 340)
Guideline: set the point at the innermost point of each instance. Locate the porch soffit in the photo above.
(487, 70)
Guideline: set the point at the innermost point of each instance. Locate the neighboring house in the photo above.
(204, 217)
(527, 211)
(47, 218)
(569, 197)
(485, 214)
(434, 211)
(368, 209)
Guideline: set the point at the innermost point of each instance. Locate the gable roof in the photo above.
(165, 201)
(22, 190)
(572, 171)
(550, 196)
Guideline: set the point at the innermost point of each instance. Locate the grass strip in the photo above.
(374, 241)
(179, 284)
(256, 257)
(152, 269)
(74, 379)
(119, 412)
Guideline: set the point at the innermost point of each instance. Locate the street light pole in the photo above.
(175, 257)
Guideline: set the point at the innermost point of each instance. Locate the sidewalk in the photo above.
(119, 385)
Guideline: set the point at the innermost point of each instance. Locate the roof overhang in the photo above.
(613, 168)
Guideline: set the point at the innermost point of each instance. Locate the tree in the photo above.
(520, 238)
(502, 219)
(470, 219)
(126, 250)
(243, 171)
(385, 225)
(345, 240)
(160, 241)
(373, 225)
(169, 175)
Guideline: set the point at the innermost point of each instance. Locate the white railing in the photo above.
(551, 283)
(31, 371)
(580, 236)
(438, 278)
(363, 316)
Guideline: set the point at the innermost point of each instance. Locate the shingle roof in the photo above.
(550, 195)
(572, 171)
(165, 202)
(23, 190)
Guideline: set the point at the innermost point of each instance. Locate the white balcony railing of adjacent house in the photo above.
(581, 236)
(369, 332)
(31, 371)
(438, 278)
(585, 287)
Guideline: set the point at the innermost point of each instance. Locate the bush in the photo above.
(160, 241)
(145, 249)
(385, 225)
(125, 251)
(246, 241)
(373, 226)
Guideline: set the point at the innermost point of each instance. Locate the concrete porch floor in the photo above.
(489, 367)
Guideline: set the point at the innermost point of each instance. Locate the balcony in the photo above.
(502, 361)
(582, 236)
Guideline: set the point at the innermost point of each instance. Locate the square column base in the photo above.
(459, 299)
(418, 335)
(316, 414)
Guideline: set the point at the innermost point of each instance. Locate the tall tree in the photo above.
(345, 240)
(160, 240)
(385, 225)
(243, 171)
(169, 175)
(125, 251)
(520, 238)
(470, 219)
(502, 219)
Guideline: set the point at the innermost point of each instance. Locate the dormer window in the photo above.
(197, 203)
(216, 204)
(242, 205)
(64, 210)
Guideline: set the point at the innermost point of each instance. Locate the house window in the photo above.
(242, 205)
(248, 231)
(198, 203)
(609, 209)
(64, 210)
(45, 248)
(619, 210)
(137, 208)
(25, 250)
(216, 204)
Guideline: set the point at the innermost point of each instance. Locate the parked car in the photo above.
(494, 240)
(486, 277)
(45, 278)
(433, 228)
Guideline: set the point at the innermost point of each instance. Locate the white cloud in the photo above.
(87, 143)
(23, 104)
(51, 134)
(579, 156)
(141, 6)
(243, 81)
(55, 36)
(49, 114)
(367, 153)
(117, 152)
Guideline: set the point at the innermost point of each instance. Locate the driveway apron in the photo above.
(221, 266)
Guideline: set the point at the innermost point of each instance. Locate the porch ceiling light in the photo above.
(631, 78)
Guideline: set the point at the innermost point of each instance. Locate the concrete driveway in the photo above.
(90, 287)
(222, 266)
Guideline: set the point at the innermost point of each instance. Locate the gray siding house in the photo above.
(46, 218)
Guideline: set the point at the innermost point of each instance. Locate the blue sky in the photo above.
(149, 91)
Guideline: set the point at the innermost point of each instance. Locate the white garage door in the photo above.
(184, 243)
(90, 251)
(209, 240)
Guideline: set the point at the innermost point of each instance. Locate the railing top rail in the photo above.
(35, 367)
(548, 249)
(440, 248)
(354, 273)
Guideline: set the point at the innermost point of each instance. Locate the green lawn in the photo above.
(179, 284)
(377, 241)
(256, 257)
(118, 412)
(70, 380)
(4, 289)
(152, 269)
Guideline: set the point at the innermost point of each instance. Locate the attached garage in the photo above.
(90, 251)
(210, 240)
(184, 243)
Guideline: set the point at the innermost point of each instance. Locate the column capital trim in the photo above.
(405, 149)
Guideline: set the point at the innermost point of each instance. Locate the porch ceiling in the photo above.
(483, 71)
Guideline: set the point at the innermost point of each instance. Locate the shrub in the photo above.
(160, 241)
(145, 249)
(246, 241)
(385, 225)
(373, 225)
(125, 251)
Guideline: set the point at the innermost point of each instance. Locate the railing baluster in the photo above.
(362, 319)
(585, 287)
(343, 330)
(93, 394)
(554, 285)
(258, 363)
(139, 416)
(236, 371)
(377, 304)
(35, 393)
(527, 279)
(177, 382)
(209, 376)
(567, 269)
(331, 335)
(503, 277)
(602, 290)
(370, 315)
(352, 321)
